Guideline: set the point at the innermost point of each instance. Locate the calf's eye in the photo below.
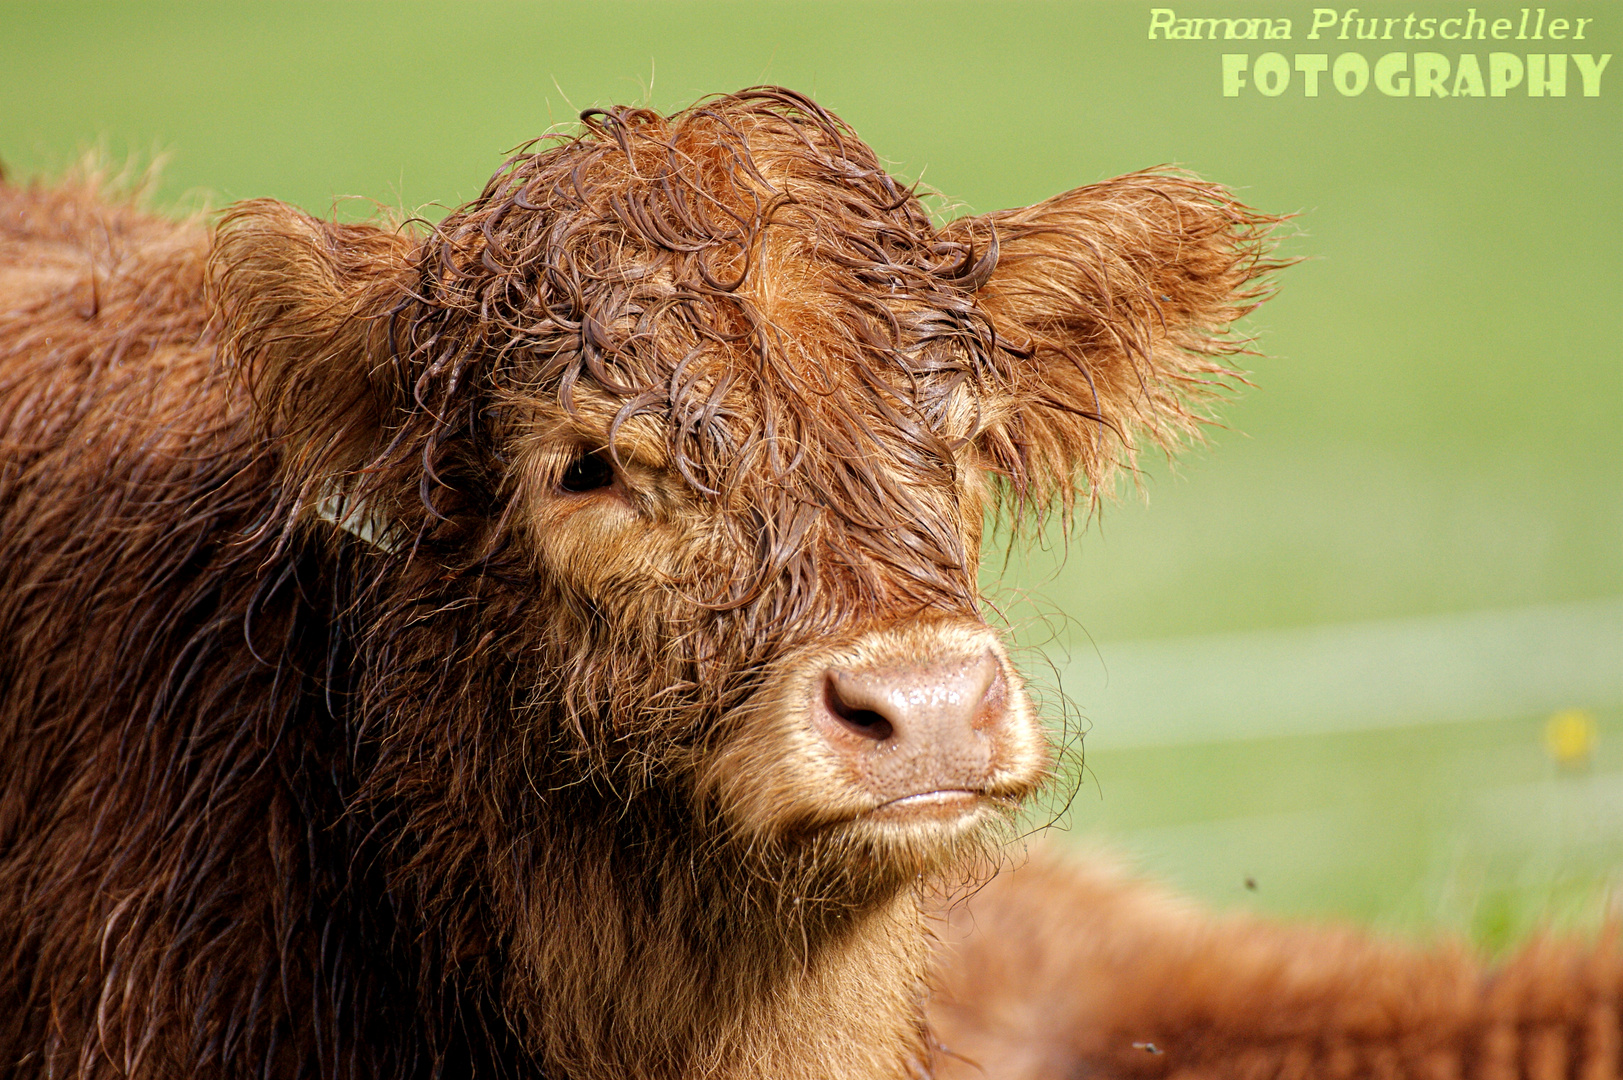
(589, 472)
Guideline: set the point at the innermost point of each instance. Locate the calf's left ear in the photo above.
(1111, 305)
(303, 309)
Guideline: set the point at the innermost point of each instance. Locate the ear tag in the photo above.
(358, 519)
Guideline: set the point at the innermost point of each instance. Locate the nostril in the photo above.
(864, 722)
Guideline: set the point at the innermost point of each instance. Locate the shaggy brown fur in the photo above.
(406, 633)
(1063, 969)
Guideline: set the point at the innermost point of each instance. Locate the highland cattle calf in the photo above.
(546, 643)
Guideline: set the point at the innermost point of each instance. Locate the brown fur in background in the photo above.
(1069, 968)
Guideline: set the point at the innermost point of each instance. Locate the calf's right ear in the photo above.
(303, 309)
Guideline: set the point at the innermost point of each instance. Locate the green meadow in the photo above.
(1317, 656)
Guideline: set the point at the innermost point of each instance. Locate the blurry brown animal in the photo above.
(546, 643)
(1067, 969)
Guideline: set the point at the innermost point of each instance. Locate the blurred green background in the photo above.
(1318, 663)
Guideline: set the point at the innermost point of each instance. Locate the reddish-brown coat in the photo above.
(407, 633)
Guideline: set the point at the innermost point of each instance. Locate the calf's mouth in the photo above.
(941, 804)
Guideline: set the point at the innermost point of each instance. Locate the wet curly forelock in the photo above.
(747, 274)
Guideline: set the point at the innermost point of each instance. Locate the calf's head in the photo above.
(687, 427)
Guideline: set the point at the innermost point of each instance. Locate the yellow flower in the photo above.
(1569, 736)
